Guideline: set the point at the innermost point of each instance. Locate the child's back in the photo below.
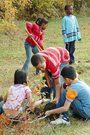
(17, 94)
(82, 91)
(16, 97)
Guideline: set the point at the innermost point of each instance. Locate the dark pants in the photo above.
(46, 91)
(1, 108)
(70, 46)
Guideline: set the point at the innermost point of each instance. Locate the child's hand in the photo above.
(41, 33)
(46, 100)
(30, 35)
(47, 113)
(54, 100)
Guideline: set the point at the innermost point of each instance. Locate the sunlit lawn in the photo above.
(12, 56)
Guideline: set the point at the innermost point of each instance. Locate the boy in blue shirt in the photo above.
(70, 31)
(76, 95)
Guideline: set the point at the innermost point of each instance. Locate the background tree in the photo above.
(31, 9)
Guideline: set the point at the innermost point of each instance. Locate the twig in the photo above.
(41, 118)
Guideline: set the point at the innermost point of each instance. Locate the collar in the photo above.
(73, 81)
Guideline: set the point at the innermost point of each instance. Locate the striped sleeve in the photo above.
(71, 95)
(56, 73)
(65, 56)
(52, 57)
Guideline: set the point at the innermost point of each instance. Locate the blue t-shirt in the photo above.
(81, 91)
(70, 28)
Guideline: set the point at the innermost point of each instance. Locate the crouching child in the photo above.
(75, 96)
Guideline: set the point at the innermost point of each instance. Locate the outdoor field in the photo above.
(12, 57)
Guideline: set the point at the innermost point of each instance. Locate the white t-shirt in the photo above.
(16, 97)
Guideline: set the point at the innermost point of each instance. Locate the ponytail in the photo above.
(40, 21)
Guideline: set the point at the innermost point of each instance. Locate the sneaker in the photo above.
(60, 120)
(61, 115)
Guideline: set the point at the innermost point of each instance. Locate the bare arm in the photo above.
(33, 103)
(57, 84)
(29, 97)
(59, 110)
(49, 82)
(58, 89)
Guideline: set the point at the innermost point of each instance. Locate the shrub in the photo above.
(7, 28)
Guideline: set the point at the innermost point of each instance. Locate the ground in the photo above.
(12, 56)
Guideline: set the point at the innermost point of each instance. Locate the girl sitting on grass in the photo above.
(16, 96)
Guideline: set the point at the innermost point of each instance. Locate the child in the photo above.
(76, 95)
(70, 31)
(36, 32)
(52, 60)
(17, 94)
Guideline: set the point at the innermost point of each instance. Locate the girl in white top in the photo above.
(17, 95)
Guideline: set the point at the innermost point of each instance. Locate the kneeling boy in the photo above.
(76, 95)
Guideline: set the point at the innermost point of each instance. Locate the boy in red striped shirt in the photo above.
(52, 60)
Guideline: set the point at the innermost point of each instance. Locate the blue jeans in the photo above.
(76, 106)
(29, 49)
(61, 103)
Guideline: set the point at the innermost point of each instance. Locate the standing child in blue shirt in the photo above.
(70, 31)
(76, 95)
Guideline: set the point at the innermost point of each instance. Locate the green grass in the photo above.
(12, 56)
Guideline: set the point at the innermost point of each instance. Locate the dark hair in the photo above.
(40, 21)
(20, 77)
(67, 7)
(68, 72)
(36, 59)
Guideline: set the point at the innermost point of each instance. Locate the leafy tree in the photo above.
(8, 11)
(39, 7)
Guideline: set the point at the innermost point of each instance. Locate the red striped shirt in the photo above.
(54, 57)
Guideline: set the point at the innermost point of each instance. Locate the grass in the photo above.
(12, 56)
